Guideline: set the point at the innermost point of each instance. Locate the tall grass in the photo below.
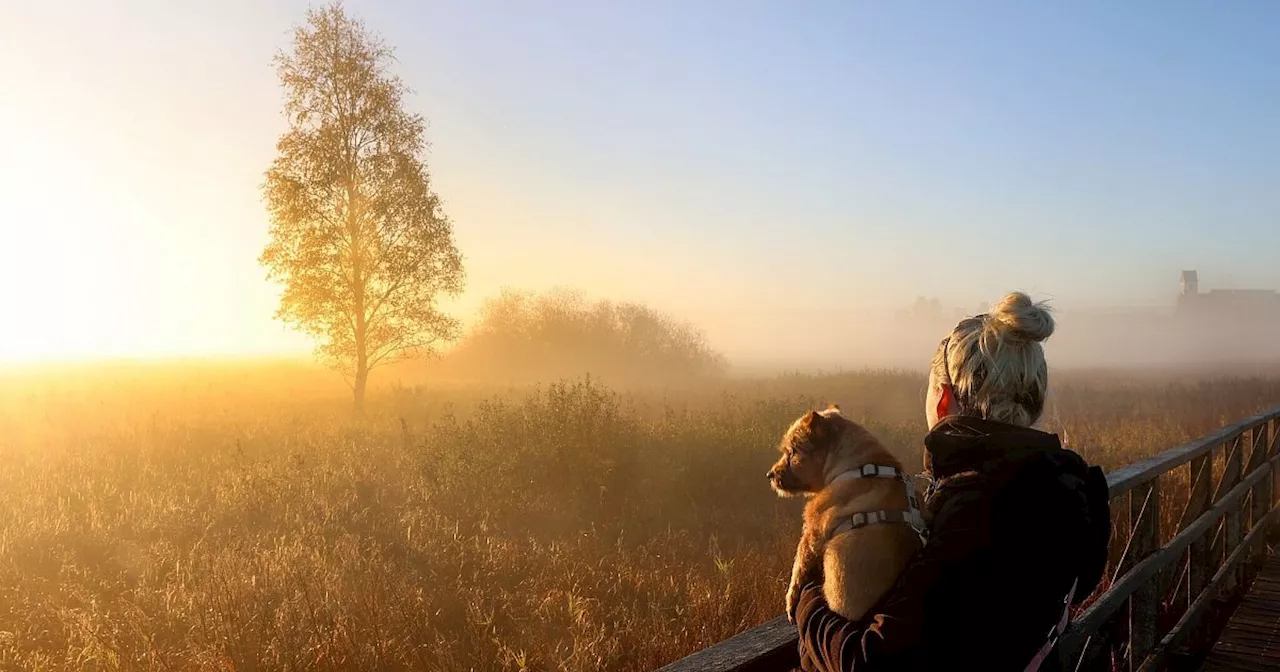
(249, 522)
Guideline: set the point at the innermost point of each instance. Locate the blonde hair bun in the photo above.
(1021, 318)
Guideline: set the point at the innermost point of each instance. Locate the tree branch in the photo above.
(382, 299)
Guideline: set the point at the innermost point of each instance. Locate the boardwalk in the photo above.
(1251, 640)
(1191, 529)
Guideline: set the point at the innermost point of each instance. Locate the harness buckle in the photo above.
(911, 517)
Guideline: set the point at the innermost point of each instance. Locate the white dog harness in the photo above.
(911, 516)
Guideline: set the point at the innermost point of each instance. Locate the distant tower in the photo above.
(1190, 284)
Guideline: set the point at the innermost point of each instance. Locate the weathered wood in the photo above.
(1198, 571)
(1092, 618)
(1196, 610)
(1197, 504)
(1233, 527)
(1260, 500)
(1251, 639)
(1095, 654)
(1145, 565)
(1232, 468)
(1273, 431)
(1257, 455)
(767, 648)
(1144, 605)
(1126, 478)
(1272, 427)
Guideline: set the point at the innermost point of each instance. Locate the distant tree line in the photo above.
(522, 336)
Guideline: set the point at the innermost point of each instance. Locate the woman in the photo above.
(1019, 526)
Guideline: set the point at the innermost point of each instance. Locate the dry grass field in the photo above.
(238, 517)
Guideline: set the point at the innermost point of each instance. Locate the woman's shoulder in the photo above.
(1046, 489)
(1058, 504)
(1062, 472)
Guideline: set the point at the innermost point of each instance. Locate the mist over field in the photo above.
(525, 336)
(1152, 338)
(457, 336)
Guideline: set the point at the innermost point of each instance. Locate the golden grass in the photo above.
(241, 519)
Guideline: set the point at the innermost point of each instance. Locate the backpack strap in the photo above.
(1058, 628)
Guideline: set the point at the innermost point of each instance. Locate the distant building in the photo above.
(1248, 305)
(1226, 324)
(1190, 284)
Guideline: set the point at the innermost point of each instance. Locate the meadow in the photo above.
(240, 517)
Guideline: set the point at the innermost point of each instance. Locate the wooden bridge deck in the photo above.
(1251, 639)
(1172, 574)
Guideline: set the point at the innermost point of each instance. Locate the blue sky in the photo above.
(764, 169)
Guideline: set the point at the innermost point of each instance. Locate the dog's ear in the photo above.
(817, 426)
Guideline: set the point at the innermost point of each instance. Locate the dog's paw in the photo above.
(793, 601)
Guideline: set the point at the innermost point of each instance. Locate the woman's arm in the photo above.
(893, 634)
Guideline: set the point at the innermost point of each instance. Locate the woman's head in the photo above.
(992, 366)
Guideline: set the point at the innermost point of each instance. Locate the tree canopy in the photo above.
(358, 238)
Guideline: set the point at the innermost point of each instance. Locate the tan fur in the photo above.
(858, 566)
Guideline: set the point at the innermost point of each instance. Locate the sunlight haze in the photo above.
(457, 334)
(776, 174)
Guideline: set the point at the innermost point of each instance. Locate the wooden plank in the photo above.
(1095, 652)
(1126, 478)
(1144, 605)
(1273, 430)
(1231, 469)
(1197, 504)
(1260, 499)
(1257, 455)
(772, 646)
(1251, 638)
(1233, 528)
(1198, 571)
(1272, 443)
(767, 648)
(1092, 618)
(1187, 625)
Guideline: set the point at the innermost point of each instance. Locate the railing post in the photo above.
(1273, 433)
(1126, 620)
(1198, 571)
(1232, 530)
(1144, 605)
(1259, 498)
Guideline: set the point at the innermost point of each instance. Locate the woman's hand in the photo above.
(809, 602)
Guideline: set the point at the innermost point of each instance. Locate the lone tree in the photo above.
(358, 238)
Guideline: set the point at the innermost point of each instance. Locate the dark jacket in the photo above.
(1015, 520)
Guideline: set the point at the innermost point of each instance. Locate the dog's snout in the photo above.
(769, 475)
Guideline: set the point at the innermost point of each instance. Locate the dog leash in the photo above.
(911, 517)
(1056, 633)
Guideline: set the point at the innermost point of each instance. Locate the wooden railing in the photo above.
(1170, 579)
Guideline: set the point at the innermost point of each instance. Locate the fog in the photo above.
(531, 337)
(1116, 338)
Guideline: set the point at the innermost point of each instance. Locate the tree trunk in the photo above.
(362, 377)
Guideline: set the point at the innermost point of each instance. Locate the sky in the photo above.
(776, 173)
